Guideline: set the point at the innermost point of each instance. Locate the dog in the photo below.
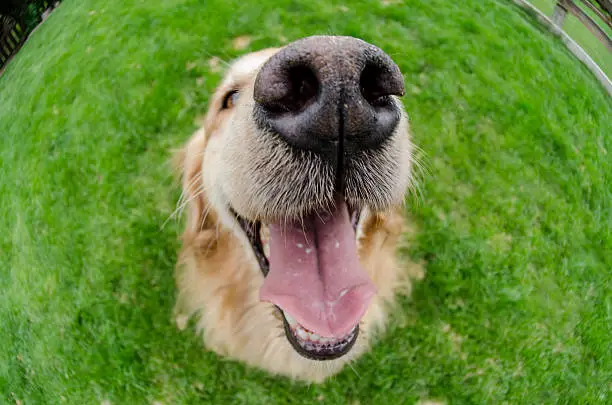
(294, 190)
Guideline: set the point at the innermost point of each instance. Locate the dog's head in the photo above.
(299, 145)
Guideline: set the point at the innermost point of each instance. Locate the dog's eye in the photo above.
(230, 99)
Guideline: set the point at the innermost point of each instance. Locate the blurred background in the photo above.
(511, 221)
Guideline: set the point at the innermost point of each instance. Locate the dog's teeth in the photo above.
(313, 341)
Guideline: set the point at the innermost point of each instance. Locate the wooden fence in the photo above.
(12, 37)
(13, 34)
(601, 8)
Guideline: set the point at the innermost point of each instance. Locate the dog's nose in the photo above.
(321, 91)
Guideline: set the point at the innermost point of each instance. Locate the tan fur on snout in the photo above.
(229, 163)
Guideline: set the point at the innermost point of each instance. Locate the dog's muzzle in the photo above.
(331, 100)
(329, 95)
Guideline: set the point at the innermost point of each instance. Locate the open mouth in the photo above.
(313, 276)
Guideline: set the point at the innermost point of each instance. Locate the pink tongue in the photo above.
(315, 275)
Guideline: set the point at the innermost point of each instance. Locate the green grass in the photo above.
(575, 29)
(515, 215)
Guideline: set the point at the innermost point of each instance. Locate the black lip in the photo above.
(252, 230)
(326, 353)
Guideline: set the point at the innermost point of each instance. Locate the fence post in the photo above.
(559, 14)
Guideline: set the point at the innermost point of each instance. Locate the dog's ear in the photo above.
(188, 162)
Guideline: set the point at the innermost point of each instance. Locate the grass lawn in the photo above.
(579, 33)
(514, 214)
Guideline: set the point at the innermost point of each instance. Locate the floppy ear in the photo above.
(189, 162)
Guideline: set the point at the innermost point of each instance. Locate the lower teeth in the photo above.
(312, 339)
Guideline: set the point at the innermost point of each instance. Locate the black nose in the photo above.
(322, 91)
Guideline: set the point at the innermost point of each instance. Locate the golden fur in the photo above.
(218, 278)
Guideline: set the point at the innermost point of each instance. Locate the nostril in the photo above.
(302, 89)
(372, 85)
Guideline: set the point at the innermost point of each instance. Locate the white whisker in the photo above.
(350, 364)
(186, 188)
(179, 210)
(205, 213)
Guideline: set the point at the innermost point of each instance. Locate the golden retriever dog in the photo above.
(294, 191)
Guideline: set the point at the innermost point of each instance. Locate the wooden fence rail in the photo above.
(603, 12)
